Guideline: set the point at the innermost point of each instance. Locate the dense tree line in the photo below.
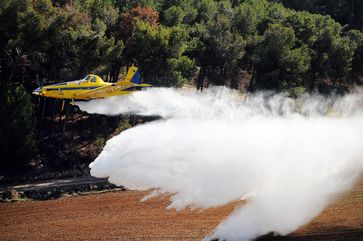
(279, 45)
(348, 13)
(173, 40)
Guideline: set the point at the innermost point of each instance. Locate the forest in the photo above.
(279, 45)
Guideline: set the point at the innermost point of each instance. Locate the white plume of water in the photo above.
(287, 158)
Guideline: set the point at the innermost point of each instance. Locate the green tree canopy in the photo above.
(158, 51)
(17, 128)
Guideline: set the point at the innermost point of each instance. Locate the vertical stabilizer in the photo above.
(136, 79)
(130, 74)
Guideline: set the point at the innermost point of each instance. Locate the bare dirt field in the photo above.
(121, 216)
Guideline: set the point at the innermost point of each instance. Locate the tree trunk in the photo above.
(200, 79)
(251, 86)
(115, 71)
(234, 84)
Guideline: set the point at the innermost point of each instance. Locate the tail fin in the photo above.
(136, 79)
(133, 75)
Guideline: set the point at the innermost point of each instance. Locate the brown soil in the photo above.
(121, 216)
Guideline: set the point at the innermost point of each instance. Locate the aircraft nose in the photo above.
(37, 91)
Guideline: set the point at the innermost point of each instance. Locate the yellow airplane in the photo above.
(93, 87)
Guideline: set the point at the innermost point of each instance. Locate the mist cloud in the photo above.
(287, 158)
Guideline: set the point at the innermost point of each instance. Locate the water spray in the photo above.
(287, 158)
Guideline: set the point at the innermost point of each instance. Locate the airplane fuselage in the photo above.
(91, 87)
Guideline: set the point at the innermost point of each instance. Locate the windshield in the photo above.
(84, 80)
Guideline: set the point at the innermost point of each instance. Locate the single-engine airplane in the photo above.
(93, 87)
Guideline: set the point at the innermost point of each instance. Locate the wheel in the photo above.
(75, 108)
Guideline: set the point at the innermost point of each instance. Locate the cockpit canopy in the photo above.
(91, 78)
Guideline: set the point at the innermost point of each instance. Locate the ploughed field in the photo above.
(121, 216)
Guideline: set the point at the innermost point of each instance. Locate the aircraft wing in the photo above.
(110, 90)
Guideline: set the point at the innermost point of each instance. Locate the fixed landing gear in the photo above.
(75, 109)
